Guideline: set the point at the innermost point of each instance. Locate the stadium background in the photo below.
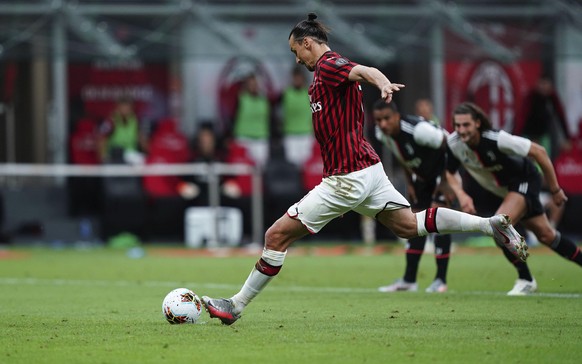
(62, 60)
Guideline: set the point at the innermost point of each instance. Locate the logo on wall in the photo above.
(491, 88)
(499, 89)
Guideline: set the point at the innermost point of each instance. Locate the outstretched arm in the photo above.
(539, 154)
(373, 76)
(465, 201)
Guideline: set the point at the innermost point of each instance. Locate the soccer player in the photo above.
(500, 163)
(354, 178)
(420, 147)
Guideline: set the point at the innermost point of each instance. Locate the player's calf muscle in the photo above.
(400, 222)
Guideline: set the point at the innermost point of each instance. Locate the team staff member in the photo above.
(121, 132)
(420, 148)
(354, 178)
(500, 163)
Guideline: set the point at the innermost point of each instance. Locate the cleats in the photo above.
(399, 285)
(437, 286)
(505, 235)
(221, 308)
(523, 288)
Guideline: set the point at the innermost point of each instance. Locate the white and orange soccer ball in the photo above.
(182, 306)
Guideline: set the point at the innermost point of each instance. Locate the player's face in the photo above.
(467, 128)
(302, 53)
(424, 109)
(387, 120)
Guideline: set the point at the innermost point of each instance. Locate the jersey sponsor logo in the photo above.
(414, 163)
(472, 164)
(472, 161)
(315, 107)
(495, 168)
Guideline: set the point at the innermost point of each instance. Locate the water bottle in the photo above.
(86, 231)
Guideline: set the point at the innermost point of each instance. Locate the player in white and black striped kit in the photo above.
(500, 163)
(420, 148)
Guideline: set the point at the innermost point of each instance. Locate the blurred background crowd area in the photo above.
(180, 81)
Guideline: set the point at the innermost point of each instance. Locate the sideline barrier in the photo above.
(211, 170)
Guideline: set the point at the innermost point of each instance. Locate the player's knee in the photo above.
(274, 238)
(403, 225)
(546, 236)
(405, 232)
(270, 237)
(408, 234)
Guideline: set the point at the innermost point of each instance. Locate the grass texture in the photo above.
(100, 306)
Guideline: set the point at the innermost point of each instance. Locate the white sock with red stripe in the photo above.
(264, 270)
(445, 221)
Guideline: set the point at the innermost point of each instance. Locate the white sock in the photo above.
(258, 280)
(451, 221)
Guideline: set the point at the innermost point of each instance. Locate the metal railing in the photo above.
(211, 170)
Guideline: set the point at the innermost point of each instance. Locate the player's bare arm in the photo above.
(539, 154)
(374, 77)
(465, 201)
(410, 187)
(446, 190)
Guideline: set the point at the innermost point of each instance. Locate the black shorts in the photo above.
(486, 203)
(424, 193)
(530, 188)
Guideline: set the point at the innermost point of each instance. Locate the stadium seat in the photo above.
(84, 193)
(283, 185)
(165, 206)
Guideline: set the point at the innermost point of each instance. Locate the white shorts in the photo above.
(367, 191)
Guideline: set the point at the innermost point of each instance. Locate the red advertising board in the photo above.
(568, 167)
(499, 89)
(97, 86)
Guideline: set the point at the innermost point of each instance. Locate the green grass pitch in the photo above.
(99, 306)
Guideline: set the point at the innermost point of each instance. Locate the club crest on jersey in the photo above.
(409, 149)
(341, 61)
(491, 156)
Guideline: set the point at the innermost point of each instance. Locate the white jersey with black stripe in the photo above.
(497, 161)
(418, 146)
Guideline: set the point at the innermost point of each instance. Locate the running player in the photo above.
(500, 163)
(354, 178)
(420, 148)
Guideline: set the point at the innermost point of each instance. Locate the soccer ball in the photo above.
(182, 306)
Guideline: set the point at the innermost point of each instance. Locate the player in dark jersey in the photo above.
(354, 178)
(500, 163)
(420, 148)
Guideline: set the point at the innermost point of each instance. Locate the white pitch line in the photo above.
(122, 283)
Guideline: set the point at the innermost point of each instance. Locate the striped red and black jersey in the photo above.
(338, 117)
